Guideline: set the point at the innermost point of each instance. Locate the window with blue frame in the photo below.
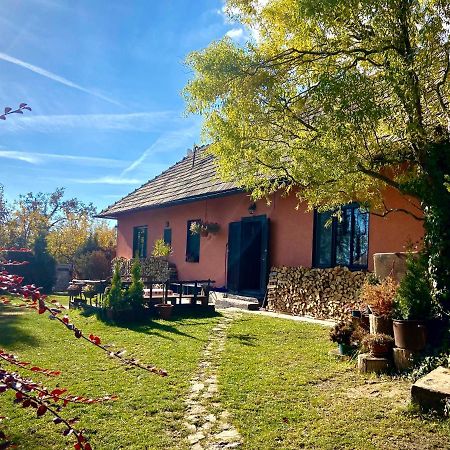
(140, 242)
(192, 243)
(343, 242)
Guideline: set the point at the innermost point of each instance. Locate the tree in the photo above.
(35, 214)
(43, 265)
(337, 100)
(66, 240)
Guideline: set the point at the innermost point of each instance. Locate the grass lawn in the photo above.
(149, 411)
(276, 379)
(285, 392)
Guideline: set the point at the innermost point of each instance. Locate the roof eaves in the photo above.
(216, 194)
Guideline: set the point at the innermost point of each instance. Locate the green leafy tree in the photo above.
(337, 101)
(135, 293)
(43, 265)
(413, 300)
(114, 298)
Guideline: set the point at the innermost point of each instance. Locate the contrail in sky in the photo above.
(54, 77)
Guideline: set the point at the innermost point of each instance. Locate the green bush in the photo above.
(413, 300)
(115, 297)
(135, 294)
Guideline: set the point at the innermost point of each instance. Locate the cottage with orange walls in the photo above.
(253, 236)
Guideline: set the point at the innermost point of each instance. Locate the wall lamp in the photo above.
(252, 208)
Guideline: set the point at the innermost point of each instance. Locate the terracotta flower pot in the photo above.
(380, 325)
(410, 334)
(379, 349)
(164, 310)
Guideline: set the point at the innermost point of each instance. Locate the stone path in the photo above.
(206, 420)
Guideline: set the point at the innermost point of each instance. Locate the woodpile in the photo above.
(319, 293)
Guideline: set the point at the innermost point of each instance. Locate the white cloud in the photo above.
(235, 33)
(43, 158)
(145, 121)
(106, 180)
(20, 156)
(55, 77)
(173, 140)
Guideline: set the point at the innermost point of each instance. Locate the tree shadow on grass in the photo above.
(12, 333)
(244, 339)
(147, 323)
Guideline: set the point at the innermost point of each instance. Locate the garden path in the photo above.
(206, 419)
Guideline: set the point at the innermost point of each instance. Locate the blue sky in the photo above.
(103, 78)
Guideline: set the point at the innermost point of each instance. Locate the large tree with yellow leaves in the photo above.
(338, 98)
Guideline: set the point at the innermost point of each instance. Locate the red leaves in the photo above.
(57, 392)
(41, 410)
(50, 373)
(95, 339)
(65, 319)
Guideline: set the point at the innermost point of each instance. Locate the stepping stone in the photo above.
(433, 390)
(197, 410)
(197, 446)
(194, 438)
(190, 427)
(228, 436)
(211, 418)
(197, 387)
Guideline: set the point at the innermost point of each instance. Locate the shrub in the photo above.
(160, 248)
(95, 265)
(380, 297)
(43, 265)
(342, 333)
(377, 338)
(135, 293)
(115, 297)
(413, 300)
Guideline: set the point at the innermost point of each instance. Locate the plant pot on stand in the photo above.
(410, 334)
(380, 325)
(164, 310)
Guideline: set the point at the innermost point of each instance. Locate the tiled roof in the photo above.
(192, 178)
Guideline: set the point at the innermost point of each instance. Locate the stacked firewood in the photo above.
(320, 293)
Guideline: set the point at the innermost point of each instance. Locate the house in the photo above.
(253, 236)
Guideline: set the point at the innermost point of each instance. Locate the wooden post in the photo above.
(166, 293)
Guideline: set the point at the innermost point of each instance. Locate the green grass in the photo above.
(285, 392)
(276, 378)
(149, 411)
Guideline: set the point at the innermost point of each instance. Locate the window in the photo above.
(192, 243)
(344, 242)
(167, 236)
(140, 242)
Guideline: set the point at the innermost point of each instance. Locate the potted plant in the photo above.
(413, 305)
(379, 297)
(342, 334)
(211, 227)
(378, 344)
(164, 310)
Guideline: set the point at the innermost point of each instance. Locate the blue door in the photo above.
(248, 256)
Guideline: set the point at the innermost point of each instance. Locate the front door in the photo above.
(248, 244)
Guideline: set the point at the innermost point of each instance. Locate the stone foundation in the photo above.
(319, 293)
